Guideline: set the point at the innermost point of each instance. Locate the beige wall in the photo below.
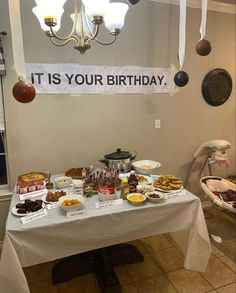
(57, 132)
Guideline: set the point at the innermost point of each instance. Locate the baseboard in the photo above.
(206, 204)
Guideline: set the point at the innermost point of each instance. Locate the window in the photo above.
(3, 167)
(3, 158)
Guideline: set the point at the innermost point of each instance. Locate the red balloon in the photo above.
(24, 91)
(203, 47)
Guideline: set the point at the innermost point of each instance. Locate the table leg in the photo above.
(99, 261)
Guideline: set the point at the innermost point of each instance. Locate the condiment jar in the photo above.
(31, 186)
(78, 186)
(124, 188)
(133, 182)
(22, 187)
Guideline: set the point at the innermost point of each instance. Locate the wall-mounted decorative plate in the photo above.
(216, 87)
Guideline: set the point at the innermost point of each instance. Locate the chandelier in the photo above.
(87, 17)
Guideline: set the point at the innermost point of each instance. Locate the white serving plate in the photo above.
(15, 213)
(45, 196)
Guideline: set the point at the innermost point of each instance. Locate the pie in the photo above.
(32, 176)
(76, 173)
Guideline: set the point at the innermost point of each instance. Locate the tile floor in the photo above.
(161, 272)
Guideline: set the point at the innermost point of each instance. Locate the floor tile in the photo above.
(156, 242)
(44, 286)
(122, 275)
(139, 245)
(218, 274)
(186, 281)
(228, 261)
(170, 259)
(82, 284)
(130, 288)
(38, 272)
(171, 240)
(217, 252)
(231, 288)
(143, 270)
(159, 283)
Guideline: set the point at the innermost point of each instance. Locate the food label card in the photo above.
(53, 205)
(109, 203)
(34, 216)
(76, 214)
(33, 194)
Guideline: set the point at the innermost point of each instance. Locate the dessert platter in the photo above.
(53, 196)
(28, 206)
(32, 176)
(78, 173)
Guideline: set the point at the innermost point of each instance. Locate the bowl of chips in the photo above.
(72, 202)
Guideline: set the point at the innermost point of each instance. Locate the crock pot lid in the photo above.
(118, 155)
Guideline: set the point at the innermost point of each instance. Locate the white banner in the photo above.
(76, 79)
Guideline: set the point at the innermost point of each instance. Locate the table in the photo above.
(55, 236)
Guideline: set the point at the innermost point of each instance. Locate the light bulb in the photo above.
(115, 16)
(52, 9)
(96, 7)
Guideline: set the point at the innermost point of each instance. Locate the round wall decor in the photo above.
(216, 87)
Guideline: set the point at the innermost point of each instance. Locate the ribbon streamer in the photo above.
(203, 20)
(182, 31)
(17, 39)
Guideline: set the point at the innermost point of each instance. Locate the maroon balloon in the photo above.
(203, 47)
(24, 91)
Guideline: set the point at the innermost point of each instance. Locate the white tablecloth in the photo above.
(55, 236)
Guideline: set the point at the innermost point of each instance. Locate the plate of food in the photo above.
(142, 179)
(78, 173)
(32, 176)
(53, 196)
(168, 183)
(29, 206)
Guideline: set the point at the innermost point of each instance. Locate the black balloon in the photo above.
(203, 47)
(134, 1)
(181, 78)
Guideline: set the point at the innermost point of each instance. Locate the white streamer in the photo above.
(182, 31)
(17, 39)
(203, 20)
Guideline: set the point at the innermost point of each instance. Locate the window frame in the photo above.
(3, 138)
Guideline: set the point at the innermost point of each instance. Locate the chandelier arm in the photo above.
(88, 38)
(106, 44)
(72, 38)
(52, 34)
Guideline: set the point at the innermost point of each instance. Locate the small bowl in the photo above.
(136, 198)
(145, 167)
(159, 196)
(105, 197)
(71, 208)
(63, 182)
